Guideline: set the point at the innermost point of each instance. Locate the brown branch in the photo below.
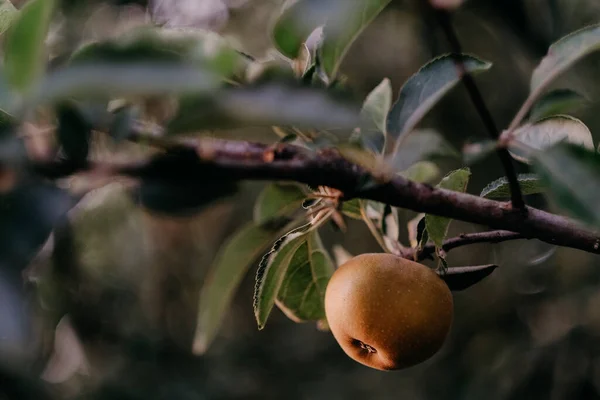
(216, 160)
(482, 109)
(464, 239)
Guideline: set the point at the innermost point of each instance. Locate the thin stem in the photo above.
(483, 111)
(522, 113)
(463, 240)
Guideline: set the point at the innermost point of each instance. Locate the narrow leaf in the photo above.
(374, 115)
(277, 200)
(498, 189)
(302, 293)
(437, 227)
(563, 54)
(461, 278)
(24, 48)
(342, 29)
(571, 174)
(272, 270)
(547, 132)
(205, 49)
(90, 81)
(266, 104)
(226, 273)
(561, 101)
(424, 89)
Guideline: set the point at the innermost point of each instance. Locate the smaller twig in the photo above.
(483, 111)
(464, 239)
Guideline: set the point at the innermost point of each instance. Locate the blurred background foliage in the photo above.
(530, 331)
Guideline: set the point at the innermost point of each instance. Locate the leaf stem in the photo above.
(482, 109)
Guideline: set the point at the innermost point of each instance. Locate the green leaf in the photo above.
(562, 55)
(424, 89)
(97, 80)
(272, 270)
(572, 175)
(24, 47)
(437, 227)
(277, 200)
(498, 189)
(204, 49)
(342, 29)
(547, 132)
(302, 293)
(422, 172)
(299, 18)
(374, 115)
(417, 146)
(8, 14)
(557, 102)
(352, 209)
(266, 104)
(229, 268)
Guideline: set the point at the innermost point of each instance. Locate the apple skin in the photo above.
(387, 312)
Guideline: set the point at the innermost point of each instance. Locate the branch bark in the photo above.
(200, 161)
(483, 111)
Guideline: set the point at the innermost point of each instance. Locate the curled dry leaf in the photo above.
(461, 278)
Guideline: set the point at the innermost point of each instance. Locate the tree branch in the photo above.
(482, 110)
(205, 160)
(464, 239)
